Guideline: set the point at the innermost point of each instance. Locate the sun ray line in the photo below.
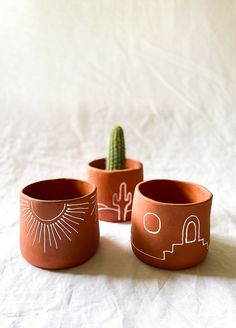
(24, 201)
(24, 204)
(82, 212)
(70, 220)
(86, 203)
(25, 209)
(69, 225)
(62, 230)
(35, 235)
(72, 216)
(34, 227)
(30, 219)
(93, 196)
(31, 226)
(27, 218)
(56, 231)
(64, 226)
(54, 237)
(26, 213)
(80, 208)
(93, 209)
(44, 238)
(75, 209)
(49, 236)
(41, 228)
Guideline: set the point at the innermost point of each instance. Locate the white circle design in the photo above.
(156, 217)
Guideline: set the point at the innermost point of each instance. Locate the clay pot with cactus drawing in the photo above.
(115, 177)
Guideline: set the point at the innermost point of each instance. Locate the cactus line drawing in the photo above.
(121, 201)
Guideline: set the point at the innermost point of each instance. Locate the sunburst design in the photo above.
(50, 232)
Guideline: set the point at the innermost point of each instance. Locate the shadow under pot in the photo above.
(171, 223)
(58, 223)
(115, 188)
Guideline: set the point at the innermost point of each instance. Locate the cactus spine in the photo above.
(116, 156)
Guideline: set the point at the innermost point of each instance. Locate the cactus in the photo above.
(116, 157)
(122, 201)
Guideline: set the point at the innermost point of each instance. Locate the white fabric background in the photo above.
(166, 71)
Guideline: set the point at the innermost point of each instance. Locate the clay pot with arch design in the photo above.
(115, 188)
(58, 223)
(170, 226)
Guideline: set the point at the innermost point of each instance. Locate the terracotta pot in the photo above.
(171, 223)
(115, 188)
(58, 223)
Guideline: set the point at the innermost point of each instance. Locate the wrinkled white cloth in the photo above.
(165, 70)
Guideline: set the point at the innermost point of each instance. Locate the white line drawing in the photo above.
(67, 219)
(31, 226)
(51, 231)
(49, 236)
(55, 217)
(192, 219)
(41, 227)
(86, 203)
(105, 207)
(24, 202)
(121, 202)
(72, 216)
(148, 214)
(44, 237)
(94, 204)
(53, 237)
(187, 240)
(35, 235)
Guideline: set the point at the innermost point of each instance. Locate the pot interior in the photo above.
(129, 164)
(174, 192)
(58, 189)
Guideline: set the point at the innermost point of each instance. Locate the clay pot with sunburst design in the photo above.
(115, 188)
(58, 223)
(170, 226)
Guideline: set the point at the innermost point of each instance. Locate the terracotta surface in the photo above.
(171, 223)
(58, 223)
(115, 188)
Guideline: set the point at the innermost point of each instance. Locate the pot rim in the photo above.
(210, 195)
(94, 168)
(23, 194)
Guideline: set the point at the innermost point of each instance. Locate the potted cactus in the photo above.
(115, 177)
